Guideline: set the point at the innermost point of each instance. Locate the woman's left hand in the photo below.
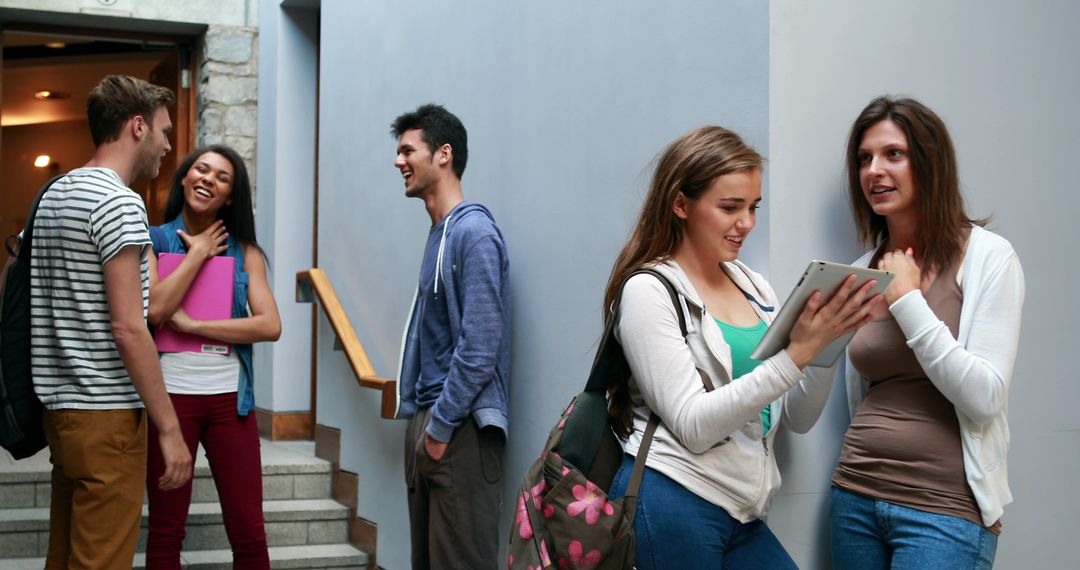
(183, 322)
(908, 276)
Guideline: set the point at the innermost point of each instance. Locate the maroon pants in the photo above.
(232, 449)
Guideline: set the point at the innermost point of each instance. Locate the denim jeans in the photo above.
(677, 529)
(869, 534)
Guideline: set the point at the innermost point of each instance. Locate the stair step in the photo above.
(342, 556)
(304, 528)
(295, 522)
(289, 472)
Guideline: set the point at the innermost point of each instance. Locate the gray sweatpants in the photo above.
(454, 502)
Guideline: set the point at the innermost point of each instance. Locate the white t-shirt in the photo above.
(196, 373)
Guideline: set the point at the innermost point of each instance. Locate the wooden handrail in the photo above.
(312, 284)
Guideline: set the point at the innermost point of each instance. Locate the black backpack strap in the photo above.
(633, 487)
(610, 360)
(671, 293)
(26, 242)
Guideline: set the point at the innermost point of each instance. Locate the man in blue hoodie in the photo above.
(455, 361)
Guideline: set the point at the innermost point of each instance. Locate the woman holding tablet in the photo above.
(710, 472)
(209, 212)
(921, 480)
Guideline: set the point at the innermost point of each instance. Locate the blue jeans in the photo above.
(677, 529)
(869, 533)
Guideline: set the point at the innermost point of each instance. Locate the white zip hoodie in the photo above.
(709, 442)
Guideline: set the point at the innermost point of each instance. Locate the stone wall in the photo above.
(228, 90)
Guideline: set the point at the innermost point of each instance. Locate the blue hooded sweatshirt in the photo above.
(468, 363)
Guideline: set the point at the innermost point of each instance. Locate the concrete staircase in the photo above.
(304, 526)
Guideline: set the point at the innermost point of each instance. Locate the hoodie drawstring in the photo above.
(442, 248)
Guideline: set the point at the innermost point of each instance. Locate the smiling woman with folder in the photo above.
(206, 273)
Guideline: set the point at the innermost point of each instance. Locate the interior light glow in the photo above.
(48, 95)
(42, 160)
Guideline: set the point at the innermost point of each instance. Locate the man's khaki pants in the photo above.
(98, 478)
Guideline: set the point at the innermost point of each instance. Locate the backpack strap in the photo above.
(671, 293)
(26, 241)
(610, 360)
(633, 487)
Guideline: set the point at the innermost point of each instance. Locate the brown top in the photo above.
(903, 446)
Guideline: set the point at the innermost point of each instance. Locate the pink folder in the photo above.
(209, 298)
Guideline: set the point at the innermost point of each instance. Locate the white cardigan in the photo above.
(973, 370)
(709, 442)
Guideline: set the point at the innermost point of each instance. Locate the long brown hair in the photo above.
(942, 220)
(688, 165)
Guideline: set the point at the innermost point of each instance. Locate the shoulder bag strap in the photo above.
(26, 242)
(610, 360)
(633, 487)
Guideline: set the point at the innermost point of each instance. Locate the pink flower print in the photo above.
(566, 414)
(545, 558)
(591, 500)
(577, 561)
(522, 518)
(510, 562)
(538, 495)
(565, 469)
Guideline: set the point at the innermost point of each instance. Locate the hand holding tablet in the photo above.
(827, 313)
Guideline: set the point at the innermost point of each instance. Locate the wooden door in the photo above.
(174, 74)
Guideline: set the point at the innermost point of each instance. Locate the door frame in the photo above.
(184, 111)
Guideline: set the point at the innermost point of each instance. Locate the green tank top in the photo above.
(742, 341)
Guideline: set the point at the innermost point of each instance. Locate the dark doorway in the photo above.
(47, 73)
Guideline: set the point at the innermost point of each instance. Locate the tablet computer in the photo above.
(826, 277)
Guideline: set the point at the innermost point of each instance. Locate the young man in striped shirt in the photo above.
(94, 362)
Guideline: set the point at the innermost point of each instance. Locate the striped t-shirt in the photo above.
(83, 220)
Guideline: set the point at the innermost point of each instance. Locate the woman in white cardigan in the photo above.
(710, 472)
(922, 478)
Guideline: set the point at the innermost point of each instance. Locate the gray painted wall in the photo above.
(285, 205)
(566, 103)
(1003, 76)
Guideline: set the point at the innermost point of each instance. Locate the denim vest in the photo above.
(166, 240)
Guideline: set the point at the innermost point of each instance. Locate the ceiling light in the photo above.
(56, 45)
(48, 95)
(42, 160)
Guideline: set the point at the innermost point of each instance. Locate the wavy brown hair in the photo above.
(118, 98)
(689, 165)
(942, 220)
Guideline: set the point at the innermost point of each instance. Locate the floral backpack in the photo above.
(563, 516)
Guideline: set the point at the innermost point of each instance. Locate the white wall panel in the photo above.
(1003, 75)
